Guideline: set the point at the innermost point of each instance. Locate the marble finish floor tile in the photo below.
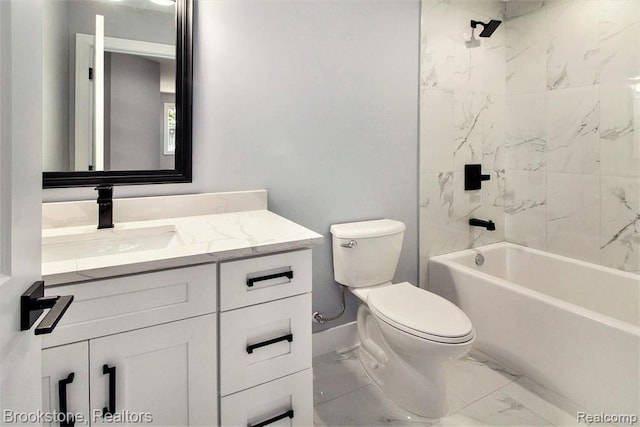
(550, 405)
(337, 373)
(476, 376)
(498, 409)
(366, 406)
(481, 393)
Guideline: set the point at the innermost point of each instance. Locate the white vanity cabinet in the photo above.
(201, 302)
(65, 378)
(145, 351)
(167, 340)
(161, 375)
(265, 341)
(167, 371)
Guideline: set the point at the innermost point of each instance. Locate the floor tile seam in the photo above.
(458, 411)
(562, 396)
(531, 409)
(576, 406)
(467, 404)
(342, 395)
(486, 394)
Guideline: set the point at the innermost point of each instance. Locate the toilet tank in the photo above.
(366, 253)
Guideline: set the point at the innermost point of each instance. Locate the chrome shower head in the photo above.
(488, 28)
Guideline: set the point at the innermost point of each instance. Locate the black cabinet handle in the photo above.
(111, 408)
(67, 419)
(289, 414)
(288, 274)
(252, 347)
(32, 304)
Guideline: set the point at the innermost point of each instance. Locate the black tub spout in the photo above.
(489, 225)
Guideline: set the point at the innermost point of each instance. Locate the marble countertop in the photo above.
(179, 242)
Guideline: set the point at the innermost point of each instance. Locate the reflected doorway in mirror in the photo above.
(139, 77)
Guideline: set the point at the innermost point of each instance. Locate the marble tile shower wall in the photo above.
(572, 155)
(462, 120)
(547, 105)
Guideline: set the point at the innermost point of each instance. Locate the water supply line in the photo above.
(320, 318)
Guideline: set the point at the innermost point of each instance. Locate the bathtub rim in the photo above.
(449, 260)
(456, 254)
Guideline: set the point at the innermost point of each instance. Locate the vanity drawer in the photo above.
(285, 401)
(266, 278)
(264, 342)
(104, 307)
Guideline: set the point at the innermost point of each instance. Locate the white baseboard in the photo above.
(334, 339)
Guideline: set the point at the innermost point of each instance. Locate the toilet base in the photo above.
(422, 392)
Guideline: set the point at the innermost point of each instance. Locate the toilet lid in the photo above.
(420, 313)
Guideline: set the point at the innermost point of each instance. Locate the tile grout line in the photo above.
(342, 395)
(527, 407)
(483, 396)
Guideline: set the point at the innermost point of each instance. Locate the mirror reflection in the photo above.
(110, 84)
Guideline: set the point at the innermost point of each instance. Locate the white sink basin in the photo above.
(86, 242)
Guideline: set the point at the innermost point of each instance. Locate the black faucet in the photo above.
(489, 225)
(105, 206)
(473, 177)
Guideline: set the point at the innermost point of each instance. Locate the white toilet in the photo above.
(406, 333)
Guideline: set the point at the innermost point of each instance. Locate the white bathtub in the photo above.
(569, 325)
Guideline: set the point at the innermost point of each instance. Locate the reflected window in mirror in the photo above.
(117, 92)
(169, 118)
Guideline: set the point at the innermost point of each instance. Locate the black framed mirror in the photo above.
(180, 116)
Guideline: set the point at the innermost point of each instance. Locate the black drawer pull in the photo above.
(289, 414)
(288, 274)
(252, 347)
(67, 419)
(110, 409)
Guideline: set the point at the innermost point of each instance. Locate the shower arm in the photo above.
(487, 27)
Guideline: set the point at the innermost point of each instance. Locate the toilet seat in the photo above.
(420, 313)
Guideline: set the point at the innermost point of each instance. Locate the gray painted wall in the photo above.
(121, 21)
(55, 87)
(135, 107)
(5, 130)
(316, 101)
